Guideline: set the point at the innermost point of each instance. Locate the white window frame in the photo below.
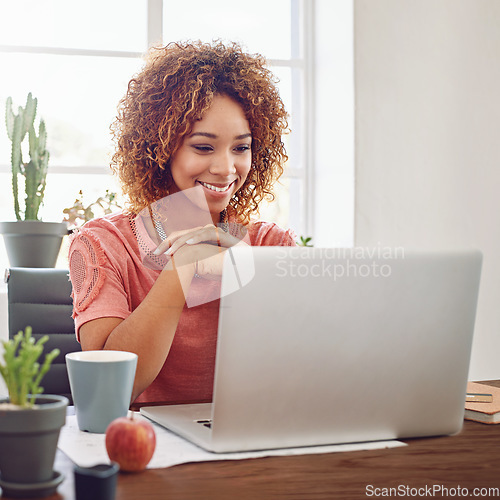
(322, 103)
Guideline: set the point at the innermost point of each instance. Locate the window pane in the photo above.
(62, 190)
(60, 193)
(77, 97)
(278, 211)
(93, 24)
(284, 75)
(262, 26)
(292, 140)
(296, 194)
(286, 209)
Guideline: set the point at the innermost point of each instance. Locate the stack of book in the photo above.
(482, 403)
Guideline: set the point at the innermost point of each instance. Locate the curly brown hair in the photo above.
(172, 91)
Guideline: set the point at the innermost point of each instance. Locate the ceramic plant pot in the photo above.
(28, 444)
(33, 243)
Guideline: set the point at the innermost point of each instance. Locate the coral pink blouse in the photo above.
(110, 280)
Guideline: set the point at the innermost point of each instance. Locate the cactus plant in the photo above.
(34, 171)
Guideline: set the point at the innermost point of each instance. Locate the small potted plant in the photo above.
(29, 241)
(30, 422)
(304, 241)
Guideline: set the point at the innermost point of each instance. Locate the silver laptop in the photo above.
(324, 346)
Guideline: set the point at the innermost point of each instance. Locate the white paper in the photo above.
(86, 449)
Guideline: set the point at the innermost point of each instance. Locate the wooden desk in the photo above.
(469, 460)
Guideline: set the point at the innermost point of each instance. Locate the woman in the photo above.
(202, 124)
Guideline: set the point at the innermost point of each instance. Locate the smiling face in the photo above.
(216, 155)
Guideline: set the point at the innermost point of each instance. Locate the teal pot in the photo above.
(33, 243)
(28, 444)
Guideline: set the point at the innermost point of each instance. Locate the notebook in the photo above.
(324, 346)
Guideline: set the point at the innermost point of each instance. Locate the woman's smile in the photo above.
(217, 188)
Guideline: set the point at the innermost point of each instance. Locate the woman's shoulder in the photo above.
(268, 233)
(106, 231)
(118, 221)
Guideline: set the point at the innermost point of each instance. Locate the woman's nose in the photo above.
(223, 164)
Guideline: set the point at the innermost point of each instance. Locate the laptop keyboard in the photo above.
(205, 422)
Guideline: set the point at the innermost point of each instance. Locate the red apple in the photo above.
(131, 443)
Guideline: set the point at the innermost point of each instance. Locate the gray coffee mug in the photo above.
(101, 385)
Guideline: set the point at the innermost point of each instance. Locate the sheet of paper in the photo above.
(86, 449)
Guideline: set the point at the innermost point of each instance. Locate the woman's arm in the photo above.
(148, 331)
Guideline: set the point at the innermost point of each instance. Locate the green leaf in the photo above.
(21, 370)
(304, 241)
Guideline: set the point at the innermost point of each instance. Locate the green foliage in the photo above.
(35, 170)
(104, 204)
(21, 371)
(304, 241)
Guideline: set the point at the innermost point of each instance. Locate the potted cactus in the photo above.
(30, 422)
(29, 241)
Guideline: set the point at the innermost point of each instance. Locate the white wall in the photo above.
(428, 138)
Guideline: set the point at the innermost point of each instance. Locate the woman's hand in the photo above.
(204, 234)
(204, 246)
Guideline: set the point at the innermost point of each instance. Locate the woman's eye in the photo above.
(202, 148)
(242, 148)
